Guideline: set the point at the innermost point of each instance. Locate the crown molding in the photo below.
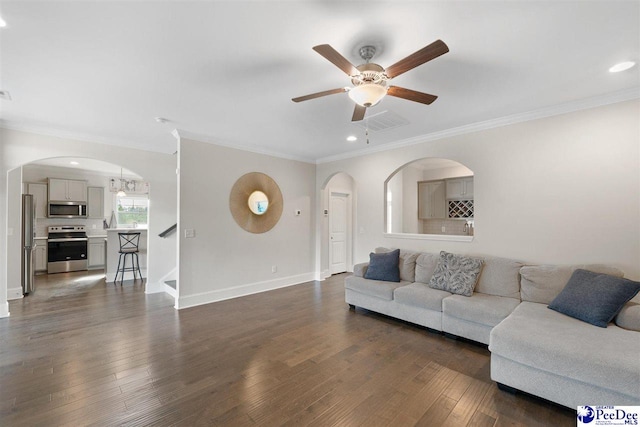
(76, 136)
(181, 133)
(556, 110)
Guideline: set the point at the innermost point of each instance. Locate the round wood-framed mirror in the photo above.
(255, 202)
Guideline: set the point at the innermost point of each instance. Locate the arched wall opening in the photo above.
(337, 224)
(97, 174)
(18, 147)
(430, 197)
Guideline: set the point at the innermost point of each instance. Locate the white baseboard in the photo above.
(4, 310)
(14, 293)
(242, 290)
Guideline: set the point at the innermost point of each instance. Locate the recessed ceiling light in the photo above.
(352, 138)
(3, 23)
(74, 163)
(621, 66)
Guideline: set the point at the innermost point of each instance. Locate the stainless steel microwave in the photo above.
(67, 210)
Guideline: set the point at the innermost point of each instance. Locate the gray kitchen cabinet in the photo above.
(96, 254)
(95, 202)
(40, 256)
(72, 190)
(431, 200)
(39, 191)
(460, 188)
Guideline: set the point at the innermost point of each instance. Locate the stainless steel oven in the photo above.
(67, 248)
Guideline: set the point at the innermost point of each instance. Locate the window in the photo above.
(132, 210)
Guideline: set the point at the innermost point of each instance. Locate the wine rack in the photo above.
(460, 208)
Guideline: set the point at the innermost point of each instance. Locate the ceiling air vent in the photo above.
(384, 120)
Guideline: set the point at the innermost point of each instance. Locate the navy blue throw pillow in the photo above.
(594, 298)
(384, 266)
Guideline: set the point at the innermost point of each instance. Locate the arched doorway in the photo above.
(100, 178)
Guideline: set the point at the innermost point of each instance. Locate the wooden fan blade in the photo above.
(425, 54)
(336, 59)
(411, 95)
(358, 113)
(318, 94)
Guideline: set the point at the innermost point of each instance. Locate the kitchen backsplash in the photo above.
(451, 226)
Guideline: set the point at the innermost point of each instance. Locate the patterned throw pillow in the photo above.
(456, 274)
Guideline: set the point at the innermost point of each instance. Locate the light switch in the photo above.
(189, 233)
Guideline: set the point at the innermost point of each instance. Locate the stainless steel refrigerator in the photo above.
(28, 242)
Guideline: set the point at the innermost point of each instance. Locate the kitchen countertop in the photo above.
(126, 229)
(96, 236)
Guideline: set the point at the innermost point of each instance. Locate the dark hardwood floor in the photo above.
(81, 352)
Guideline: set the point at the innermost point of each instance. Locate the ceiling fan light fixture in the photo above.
(368, 94)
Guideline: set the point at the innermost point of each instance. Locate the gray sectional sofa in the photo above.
(533, 349)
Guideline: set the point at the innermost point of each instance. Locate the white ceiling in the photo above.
(226, 71)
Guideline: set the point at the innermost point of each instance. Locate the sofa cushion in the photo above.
(360, 269)
(375, 288)
(501, 277)
(544, 339)
(406, 263)
(420, 295)
(542, 283)
(479, 308)
(383, 266)
(629, 317)
(456, 274)
(425, 266)
(594, 298)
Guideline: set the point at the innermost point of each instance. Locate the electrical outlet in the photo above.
(274, 268)
(444, 229)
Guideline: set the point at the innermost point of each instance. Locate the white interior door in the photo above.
(338, 232)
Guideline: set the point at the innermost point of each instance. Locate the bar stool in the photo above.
(128, 246)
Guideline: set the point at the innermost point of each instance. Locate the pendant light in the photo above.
(121, 192)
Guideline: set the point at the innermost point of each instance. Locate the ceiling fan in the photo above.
(371, 81)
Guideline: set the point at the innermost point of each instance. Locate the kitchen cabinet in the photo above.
(40, 256)
(431, 200)
(95, 202)
(72, 190)
(96, 254)
(460, 188)
(39, 191)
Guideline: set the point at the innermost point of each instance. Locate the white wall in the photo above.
(18, 148)
(223, 260)
(563, 189)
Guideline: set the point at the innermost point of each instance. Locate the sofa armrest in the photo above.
(360, 269)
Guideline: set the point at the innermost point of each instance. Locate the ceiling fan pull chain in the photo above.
(366, 132)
